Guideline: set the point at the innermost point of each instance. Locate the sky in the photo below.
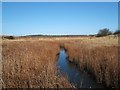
(56, 18)
(60, 0)
(0, 18)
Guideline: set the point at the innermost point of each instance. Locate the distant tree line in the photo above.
(106, 31)
(8, 37)
(55, 35)
(101, 33)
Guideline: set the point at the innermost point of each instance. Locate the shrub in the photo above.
(104, 32)
(8, 37)
(117, 32)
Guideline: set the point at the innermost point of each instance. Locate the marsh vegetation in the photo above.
(31, 62)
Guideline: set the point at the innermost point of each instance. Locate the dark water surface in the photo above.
(75, 76)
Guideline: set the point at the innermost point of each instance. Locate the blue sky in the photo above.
(23, 18)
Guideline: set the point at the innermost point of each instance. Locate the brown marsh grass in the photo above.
(31, 64)
(98, 58)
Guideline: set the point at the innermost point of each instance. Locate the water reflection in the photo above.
(75, 76)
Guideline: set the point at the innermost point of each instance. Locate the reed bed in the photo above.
(31, 64)
(98, 58)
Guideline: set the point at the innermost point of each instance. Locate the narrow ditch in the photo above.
(79, 78)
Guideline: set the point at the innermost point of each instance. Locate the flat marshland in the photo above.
(99, 56)
(31, 62)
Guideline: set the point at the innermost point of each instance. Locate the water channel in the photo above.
(75, 76)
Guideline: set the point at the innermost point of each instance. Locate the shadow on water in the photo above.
(75, 76)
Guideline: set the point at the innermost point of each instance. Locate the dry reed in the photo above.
(101, 59)
(31, 64)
